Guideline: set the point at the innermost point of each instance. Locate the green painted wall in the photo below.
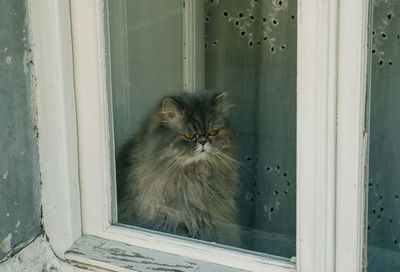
(20, 218)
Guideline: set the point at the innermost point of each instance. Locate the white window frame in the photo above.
(74, 142)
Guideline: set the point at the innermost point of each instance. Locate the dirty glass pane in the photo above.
(384, 155)
(240, 53)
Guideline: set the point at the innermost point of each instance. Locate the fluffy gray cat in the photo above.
(178, 174)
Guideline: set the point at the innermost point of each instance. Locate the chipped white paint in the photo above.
(5, 245)
(8, 60)
(121, 257)
(8, 214)
(37, 256)
(25, 62)
(5, 175)
(18, 224)
(52, 49)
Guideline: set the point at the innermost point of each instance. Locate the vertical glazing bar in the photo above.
(193, 45)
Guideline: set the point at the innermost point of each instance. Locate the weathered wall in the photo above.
(38, 256)
(19, 172)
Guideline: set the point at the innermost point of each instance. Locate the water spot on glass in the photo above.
(248, 196)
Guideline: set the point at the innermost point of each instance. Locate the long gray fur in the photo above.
(183, 186)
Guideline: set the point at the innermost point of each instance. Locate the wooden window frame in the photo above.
(74, 143)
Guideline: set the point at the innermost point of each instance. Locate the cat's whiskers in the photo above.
(224, 156)
(221, 157)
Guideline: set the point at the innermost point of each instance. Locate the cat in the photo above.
(178, 174)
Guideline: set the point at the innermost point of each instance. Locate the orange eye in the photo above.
(189, 136)
(213, 133)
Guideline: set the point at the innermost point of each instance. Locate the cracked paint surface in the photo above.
(5, 245)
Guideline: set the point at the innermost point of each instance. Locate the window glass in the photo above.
(384, 156)
(233, 58)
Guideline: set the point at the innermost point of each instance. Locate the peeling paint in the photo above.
(18, 224)
(26, 60)
(5, 176)
(8, 60)
(5, 245)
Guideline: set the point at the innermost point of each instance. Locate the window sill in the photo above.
(115, 256)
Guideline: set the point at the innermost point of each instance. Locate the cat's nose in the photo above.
(202, 140)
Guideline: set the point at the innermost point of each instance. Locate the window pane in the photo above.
(384, 157)
(246, 49)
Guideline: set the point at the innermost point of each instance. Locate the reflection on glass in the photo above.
(217, 163)
(384, 158)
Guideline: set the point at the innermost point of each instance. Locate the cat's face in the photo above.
(197, 126)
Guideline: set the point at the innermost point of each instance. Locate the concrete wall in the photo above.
(20, 215)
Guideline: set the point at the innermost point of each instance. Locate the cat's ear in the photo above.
(221, 103)
(220, 98)
(170, 109)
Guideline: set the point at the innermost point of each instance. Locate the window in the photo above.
(383, 217)
(330, 146)
(248, 50)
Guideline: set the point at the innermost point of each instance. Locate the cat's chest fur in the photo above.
(194, 188)
(193, 198)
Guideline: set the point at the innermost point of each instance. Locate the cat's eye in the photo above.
(213, 133)
(189, 136)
